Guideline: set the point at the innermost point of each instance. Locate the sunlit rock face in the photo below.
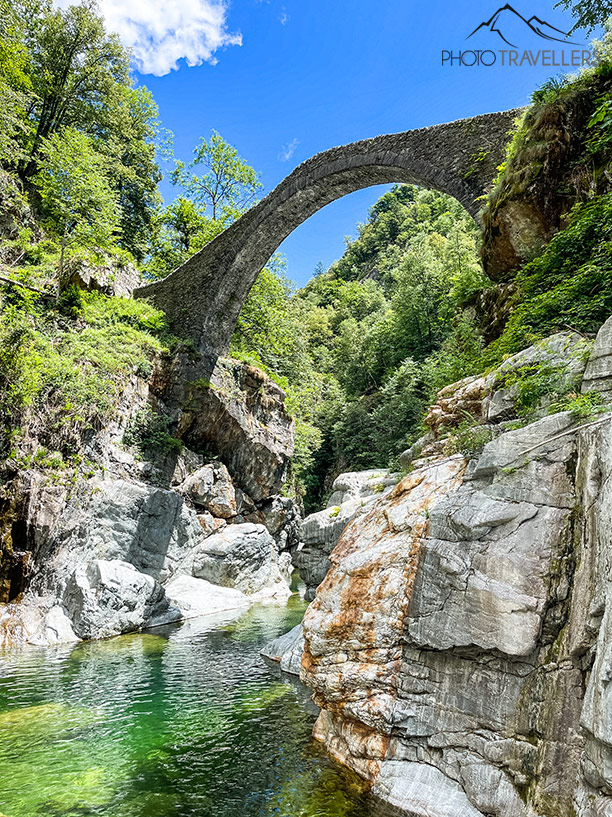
(460, 644)
(134, 542)
(236, 414)
(352, 493)
(427, 634)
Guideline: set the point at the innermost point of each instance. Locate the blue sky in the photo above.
(309, 75)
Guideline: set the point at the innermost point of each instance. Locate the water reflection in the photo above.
(183, 721)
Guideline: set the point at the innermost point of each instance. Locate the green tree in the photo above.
(128, 139)
(588, 13)
(15, 86)
(269, 324)
(73, 66)
(60, 69)
(179, 230)
(228, 186)
(82, 208)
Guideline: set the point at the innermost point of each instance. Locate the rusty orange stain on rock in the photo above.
(357, 617)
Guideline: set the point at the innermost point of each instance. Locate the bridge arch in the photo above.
(204, 296)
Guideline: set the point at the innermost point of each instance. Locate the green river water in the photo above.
(183, 721)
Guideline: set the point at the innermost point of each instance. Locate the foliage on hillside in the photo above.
(364, 345)
(568, 287)
(61, 75)
(64, 364)
(559, 154)
(79, 143)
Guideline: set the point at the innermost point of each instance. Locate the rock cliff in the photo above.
(551, 163)
(139, 535)
(459, 646)
(351, 494)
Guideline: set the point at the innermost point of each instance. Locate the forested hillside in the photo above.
(361, 350)
(364, 346)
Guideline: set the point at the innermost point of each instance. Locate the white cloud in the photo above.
(284, 17)
(161, 32)
(287, 151)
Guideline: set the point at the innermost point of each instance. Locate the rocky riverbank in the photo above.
(133, 540)
(459, 645)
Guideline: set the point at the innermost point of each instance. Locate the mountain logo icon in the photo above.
(505, 20)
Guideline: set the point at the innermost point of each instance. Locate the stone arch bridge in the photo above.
(203, 297)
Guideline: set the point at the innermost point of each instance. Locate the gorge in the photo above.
(342, 550)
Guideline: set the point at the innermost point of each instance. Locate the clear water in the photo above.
(182, 721)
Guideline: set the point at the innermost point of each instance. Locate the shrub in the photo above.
(149, 432)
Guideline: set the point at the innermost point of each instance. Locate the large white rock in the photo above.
(149, 527)
(197, 597)
(429, 644)
(243, 557)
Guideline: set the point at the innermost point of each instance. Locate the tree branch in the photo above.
(14, 282)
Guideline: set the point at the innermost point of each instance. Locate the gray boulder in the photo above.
(281, 517)
(319, 534)
(115, 519)
(566, 353)
(243, 557)
(287, 650)
(360, 484)
(106, 598)
(325, 527)
(598, 373)
(237, 414)
(197, 597)
(210, 488)
(352, 494)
